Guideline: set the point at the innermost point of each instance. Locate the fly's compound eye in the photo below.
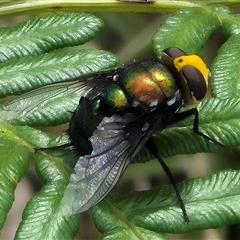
(174, 52)
(195, 81)
(169, 54)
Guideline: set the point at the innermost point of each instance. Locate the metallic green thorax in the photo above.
(147, 82)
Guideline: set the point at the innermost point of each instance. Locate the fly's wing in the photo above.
(115, 142)
(60, 98)
(38, 97)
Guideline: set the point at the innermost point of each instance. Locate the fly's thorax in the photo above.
(148, 82)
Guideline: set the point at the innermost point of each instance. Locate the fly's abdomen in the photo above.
(147, 82)
(82, 126)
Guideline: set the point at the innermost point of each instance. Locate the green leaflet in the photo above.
(210, 203)
(225, 82)
(41, 217)
(177, 31)
(14, 163)
(52, 31)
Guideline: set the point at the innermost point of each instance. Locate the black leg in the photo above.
(194, 112)
(54, 147)
(153, 149)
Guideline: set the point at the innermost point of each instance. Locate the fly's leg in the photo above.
(194, 112)
(54, 147)
(153, 149)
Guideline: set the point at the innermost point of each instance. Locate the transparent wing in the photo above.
(55, 98)
(114, 146)
(44, 105)
(40, 96)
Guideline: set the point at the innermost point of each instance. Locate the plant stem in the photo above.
(16, 7)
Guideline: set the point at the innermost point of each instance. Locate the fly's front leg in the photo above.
(194, 112)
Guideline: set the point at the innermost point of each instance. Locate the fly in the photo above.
(117, 114)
